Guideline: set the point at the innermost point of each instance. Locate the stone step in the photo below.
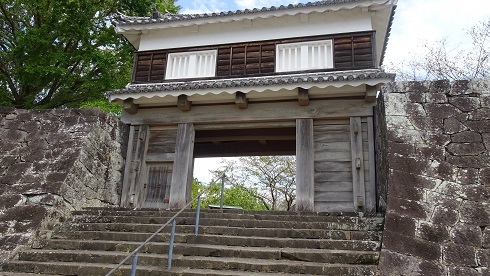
(89, 269)
(205, 250)
(157, 246)
(166, 215)
(367, 225)
(110, 232)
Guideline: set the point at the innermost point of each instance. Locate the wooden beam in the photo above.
(183, 103)
(130, 107)
(371, 201)
(263, 142)
(303, 98)
(183, 165)
(371, 92)
(258, 112)
(141, 173)
(127, 171)
(241, 100)
(304, 166)
(359, 187)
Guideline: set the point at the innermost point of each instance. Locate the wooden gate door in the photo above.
(157, 190)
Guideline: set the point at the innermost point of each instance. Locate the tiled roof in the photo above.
(263, 82)
(130, 20)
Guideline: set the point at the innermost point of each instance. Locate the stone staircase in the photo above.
(230, 242)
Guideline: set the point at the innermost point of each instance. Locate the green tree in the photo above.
(271, 179)
(63, 53)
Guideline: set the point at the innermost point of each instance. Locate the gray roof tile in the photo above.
(322, 77)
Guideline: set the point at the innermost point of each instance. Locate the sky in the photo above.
(416, 22)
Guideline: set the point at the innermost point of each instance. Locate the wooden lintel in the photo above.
(183, 103)
(241, 100)
(303, 98)
(130, 107)
(371, 94)
(217, 143)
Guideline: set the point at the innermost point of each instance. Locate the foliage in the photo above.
(236, 195)
(444, 61)
(111, 108)
(63, 53)
(271, 179)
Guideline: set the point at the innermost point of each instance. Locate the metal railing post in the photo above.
(134, 264)
(222, 191)
(171, 246)
(198, 212)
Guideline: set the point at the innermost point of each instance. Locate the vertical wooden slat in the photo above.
(183, 162)
(357, 163)
(141, 176)
(127, 170)
(371, 201)
(304, 166)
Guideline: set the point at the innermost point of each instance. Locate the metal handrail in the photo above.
(135, 252)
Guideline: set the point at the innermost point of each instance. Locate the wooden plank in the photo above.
(333, 196)
(183, 165)
(304, 165)
(141, 174)
(333, 187)
(127, 170)
(241, 100)
(129, 106)
(333, 166)
(336, 156)
(269, 125)
(371, 200)
(318, 123)
(371, 92)
(357, 163)
(345, 176)
(160, 157)
(183, 103)
(303, 98)
(256, 112)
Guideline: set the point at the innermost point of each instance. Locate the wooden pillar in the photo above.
(359, 188)
(141, 176)
(183, 163)
(127, 170)
(304, 166)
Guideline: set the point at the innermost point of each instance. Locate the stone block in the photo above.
(412, 246)
(436, 98)
(463, 271)
(465, 104)
(486, 237)
(407, 164)
(466, 137)
(486, 140)
(465, 234)
(466, 149)
(460, 87)
(430, 269)
(467, 176)
(478, 193)
(441, 110)
(480, 161)
(417, 97)
(475, 213)
(452, 126)
(395, 264)
(485, 176)
(407, 208)
(415, 110)
(459, 255)
(9, 200)
(399, 224)
(406, 179)
(439, 86)
(483, 257)
(445, 216)
(437, 233)
(479, 114)
(482, 126)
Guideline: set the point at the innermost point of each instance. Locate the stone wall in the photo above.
(437, 150)
(51, 163)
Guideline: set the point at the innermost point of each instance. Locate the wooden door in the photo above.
(156, 191)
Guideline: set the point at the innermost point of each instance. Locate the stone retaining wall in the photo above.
(51, 163)
(437, 154)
